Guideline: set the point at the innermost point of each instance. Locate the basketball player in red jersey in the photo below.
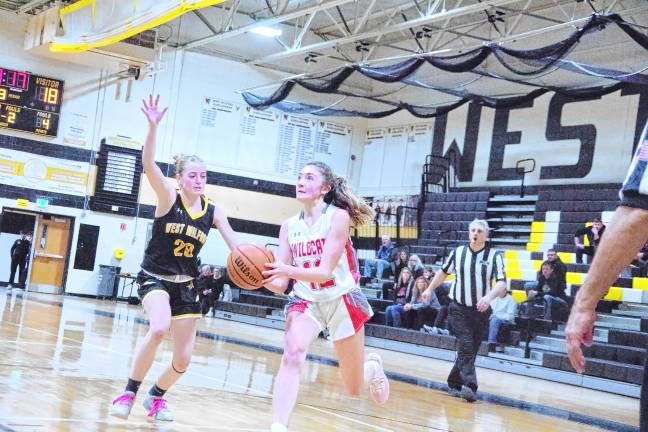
(326, 292)
(183, 217)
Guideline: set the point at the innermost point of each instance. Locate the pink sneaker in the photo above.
(379, 384)
(122, 405)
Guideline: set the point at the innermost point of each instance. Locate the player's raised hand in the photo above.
(151, 110)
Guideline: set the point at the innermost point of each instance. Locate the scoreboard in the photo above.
(30, 103)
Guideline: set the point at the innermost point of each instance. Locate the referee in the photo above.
(475, 266)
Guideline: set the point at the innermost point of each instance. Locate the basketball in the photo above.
(246, 263)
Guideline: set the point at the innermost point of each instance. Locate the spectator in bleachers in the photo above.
(504, 310)
(551, 291)
(418, 310)
(559, 267)
(428, 274)
(402, 295)
(559, 270)
(384, 257)
(217, 286)
(435, 322)
(402, 261)
(204, 287)
(415, 266)
(593, 233)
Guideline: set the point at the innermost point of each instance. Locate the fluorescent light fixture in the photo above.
(267, 31)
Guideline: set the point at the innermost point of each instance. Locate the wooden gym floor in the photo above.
(63, 359)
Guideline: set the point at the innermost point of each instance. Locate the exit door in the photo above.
(51, 253)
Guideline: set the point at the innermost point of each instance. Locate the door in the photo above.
(51, 252)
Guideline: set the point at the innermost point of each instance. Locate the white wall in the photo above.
(187, 78)
(548, 132)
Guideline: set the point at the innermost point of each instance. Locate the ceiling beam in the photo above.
(30, 6)
(505, 39)
(266, 22)
(434, 17)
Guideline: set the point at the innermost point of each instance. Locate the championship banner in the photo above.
(43, 173)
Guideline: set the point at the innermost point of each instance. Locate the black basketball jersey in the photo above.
(177, 239)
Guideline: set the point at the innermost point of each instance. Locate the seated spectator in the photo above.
(415, 266)
(551, 291)
(504, 310)
(559, 270)
(593, 233)
(384, 258)
(402, 261)
(402, 295)
(411, 309)
(204, 287)
(641, 262)
(436, 322)
(428, 274)
(559, 267)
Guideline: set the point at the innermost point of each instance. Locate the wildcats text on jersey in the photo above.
(307, 248)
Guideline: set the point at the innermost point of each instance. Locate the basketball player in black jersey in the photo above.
(183, 218)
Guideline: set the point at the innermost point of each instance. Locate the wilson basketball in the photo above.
(246, 263)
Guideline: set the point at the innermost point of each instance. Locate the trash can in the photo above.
(106, 281)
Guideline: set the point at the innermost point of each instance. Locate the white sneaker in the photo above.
(122, 405)
(157, 408)
(379, 384)
(278, 427)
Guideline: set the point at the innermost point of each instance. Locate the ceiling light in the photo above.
(267, 31)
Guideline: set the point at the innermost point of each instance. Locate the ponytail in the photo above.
(341, 196)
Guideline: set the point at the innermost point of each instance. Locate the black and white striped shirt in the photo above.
(474, 272)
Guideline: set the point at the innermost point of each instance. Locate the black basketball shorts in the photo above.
(183, 297)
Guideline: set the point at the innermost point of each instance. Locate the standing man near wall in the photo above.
(475, 267)
(626, 235)
(19, 252)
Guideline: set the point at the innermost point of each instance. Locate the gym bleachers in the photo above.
(621, 329)
(445, 220)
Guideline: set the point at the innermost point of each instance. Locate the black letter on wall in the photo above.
(586, 134)
(501, 138)
(467, 157)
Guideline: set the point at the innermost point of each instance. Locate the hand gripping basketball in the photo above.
(246, 263)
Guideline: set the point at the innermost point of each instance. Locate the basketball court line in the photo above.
(158, 425)
(197, 374)
(421, 382)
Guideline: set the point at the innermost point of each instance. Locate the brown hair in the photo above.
(400, 276)
(341, 196)
(415, 294)
(180, 160)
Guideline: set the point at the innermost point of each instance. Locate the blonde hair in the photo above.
(341, 196)
(180, 160)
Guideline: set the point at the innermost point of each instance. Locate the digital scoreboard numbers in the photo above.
(30, 103)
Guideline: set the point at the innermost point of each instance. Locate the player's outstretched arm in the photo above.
(163, 189)
(220, 221)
